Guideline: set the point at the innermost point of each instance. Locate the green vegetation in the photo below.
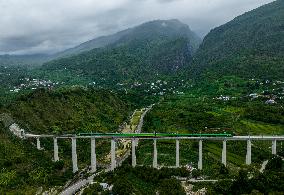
(10, 77)
(146, 31)
(250, 46)
(69, 111)
(142, 180)
(141, 60)
(234, 85)
(192, 114)
(147, 52)
(252, 181)
(24, 169)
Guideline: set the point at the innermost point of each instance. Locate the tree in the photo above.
(93, 189)
(242, 184)
(223, 186)
(195, 173)
(122, 187)
(275, 164)
(171, 187)
(223, 170)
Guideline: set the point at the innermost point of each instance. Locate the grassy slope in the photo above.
(193, 113)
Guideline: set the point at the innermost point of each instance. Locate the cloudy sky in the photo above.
(48, 26)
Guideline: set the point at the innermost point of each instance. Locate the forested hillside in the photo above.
(25, 170)
(151, 51)
(233, 83)
(137, 62)
(251, 45)
(68, 111)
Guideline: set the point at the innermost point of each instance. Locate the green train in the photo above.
(158, 134)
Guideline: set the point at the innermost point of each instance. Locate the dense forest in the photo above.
(24, 170)
(139, 61)
(69, 111)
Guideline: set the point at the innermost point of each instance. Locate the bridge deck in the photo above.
(252, 137)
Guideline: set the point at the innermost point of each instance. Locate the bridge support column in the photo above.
(274, 144)
(74, 155)
(38, 143)
(155, 158)
(200, 155)
(133, 142)
(113, 161)
(248, 156)
(224, 153)
(177, 153)
(93, 155)
(55, 148)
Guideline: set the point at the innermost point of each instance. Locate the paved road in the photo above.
(79, 185)
(141, 122)
(263, 165)
(82, 183)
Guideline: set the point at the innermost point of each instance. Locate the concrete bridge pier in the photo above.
(113, 161)
(74, 155)
(93, 156)
(274, 145)
(38, 143)
(248, 156)
(224, 153)
(155, 158)
(200, 155)
(177, 153)
(133, 142)
(55, 148)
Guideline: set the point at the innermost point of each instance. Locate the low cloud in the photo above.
(49, 26)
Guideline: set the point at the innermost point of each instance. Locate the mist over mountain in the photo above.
(24, 60)
(149, 30)
(157, 78)
(147, 51)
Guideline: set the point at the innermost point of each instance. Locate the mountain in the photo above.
(151, 50)
(171, 28)
(251, 45)
(94, 43)
(24, 60)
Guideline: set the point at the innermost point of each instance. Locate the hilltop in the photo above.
(149, 30)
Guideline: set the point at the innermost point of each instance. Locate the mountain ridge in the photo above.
(150, 51)
(251, 45)
(122, 36)
(112, 40)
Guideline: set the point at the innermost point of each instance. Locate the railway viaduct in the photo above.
(138, 136)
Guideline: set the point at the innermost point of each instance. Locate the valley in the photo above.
(156, 77)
